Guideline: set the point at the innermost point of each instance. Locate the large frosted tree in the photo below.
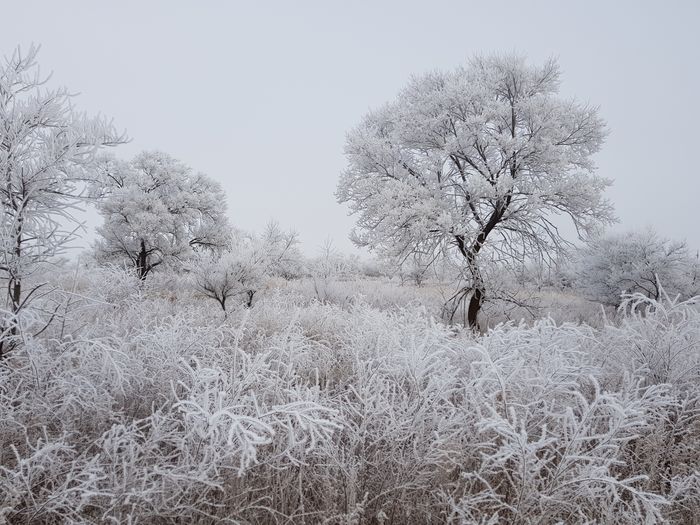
(155, 210)
(47, 152)
(474, 164)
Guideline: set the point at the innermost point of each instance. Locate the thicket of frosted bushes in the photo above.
(143, 404)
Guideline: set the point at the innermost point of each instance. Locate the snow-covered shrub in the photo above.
(330, 267)
(635, 262)
(375, 268)
(115, 429)
(659, 339)
(413, 271)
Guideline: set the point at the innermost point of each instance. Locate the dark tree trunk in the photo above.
(16, 286)
(471, 251)
(14, 291)
(475, 302)
(249, 296)
(478, 290)
(142, 262)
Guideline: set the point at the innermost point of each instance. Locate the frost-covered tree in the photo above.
(156, 209)
(413, 270)
(636, 262)
(47, 151)
(332, 263)
(239, 272)
(282, 248)
(475, 163)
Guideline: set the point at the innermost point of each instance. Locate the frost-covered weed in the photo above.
(150, 407)
(659, 338)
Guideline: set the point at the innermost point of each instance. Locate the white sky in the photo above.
(259, 95)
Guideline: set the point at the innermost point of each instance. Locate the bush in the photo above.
(636, 262)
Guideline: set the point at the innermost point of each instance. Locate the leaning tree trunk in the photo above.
(475, 302)
(470, 253)
(478, 291)
(465, 304)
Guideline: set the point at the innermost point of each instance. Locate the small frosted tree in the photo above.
(332, 263)
(635, 262)
(47, 152)
(282, 248)
(155, 210)
(413, 270)
(473, 164)
(237, 272)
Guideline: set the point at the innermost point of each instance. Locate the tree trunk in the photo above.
(478, 290)
(475, 302)
(14, 292)
(16, 286)
(249, 295)
(142, 262)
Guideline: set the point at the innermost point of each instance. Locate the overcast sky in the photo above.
(259, 95)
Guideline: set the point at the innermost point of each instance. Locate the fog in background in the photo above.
(260, 95)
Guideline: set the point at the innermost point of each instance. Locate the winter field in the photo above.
(144, 405)
(474, 365)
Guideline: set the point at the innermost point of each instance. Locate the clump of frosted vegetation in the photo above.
(145, 406)
(635, 262)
